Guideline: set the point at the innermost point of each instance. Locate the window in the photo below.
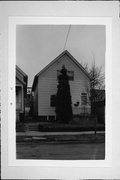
(52, 100)
(69, 73)
(83, 99)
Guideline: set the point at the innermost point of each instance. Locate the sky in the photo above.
(38, 45)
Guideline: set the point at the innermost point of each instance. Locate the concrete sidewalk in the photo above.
(60, 137)
(37, 133)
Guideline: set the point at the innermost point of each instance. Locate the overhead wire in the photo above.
(67, 37)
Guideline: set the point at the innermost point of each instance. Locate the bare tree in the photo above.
(97, 78)
(96, 74)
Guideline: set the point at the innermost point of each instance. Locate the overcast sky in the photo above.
(38, 45)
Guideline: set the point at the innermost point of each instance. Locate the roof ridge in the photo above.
(57, 58)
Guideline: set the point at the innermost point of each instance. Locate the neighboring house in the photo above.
(98, 106)
(28, 101)
(45, 87)
(21, 90)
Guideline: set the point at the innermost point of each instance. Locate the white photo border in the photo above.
(18, 20)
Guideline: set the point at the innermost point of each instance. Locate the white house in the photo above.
(21, 90)
(45, 87)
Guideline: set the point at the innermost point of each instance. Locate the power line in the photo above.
(67, 37)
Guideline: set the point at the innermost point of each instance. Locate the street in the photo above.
(60, 151)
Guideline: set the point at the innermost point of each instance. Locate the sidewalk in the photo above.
(60, 137)
(37, 133)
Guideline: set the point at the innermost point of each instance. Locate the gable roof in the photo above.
(57, 59)
(24, 80)
(18, 69)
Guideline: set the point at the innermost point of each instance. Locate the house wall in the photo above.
(69, 64)
(47, 86)
(20, 97)
(35, 101)
(21, 84)
(19, 100)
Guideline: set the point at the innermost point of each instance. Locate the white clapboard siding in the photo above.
(47, 86)
(51, 72)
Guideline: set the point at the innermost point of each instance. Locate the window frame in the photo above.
(84, 102)
(70, 78)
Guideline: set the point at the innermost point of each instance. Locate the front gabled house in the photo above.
(45, 87)
(21, 90)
